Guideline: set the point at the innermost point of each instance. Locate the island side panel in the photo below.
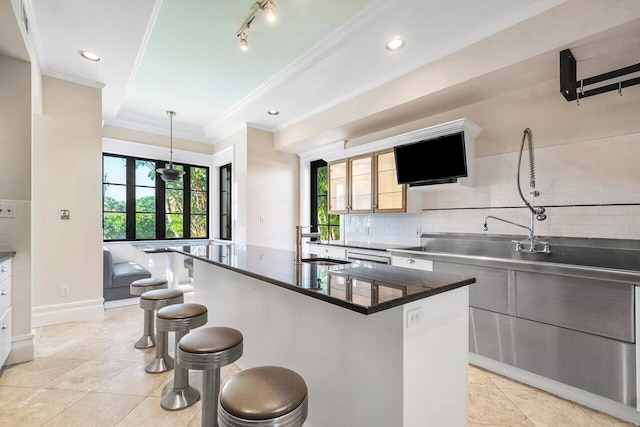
(436, 357)
(352, 363)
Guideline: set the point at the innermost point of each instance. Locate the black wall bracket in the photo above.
(573, 89)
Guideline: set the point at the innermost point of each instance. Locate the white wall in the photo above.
(602, 171)
(67, 158)
(272, 193)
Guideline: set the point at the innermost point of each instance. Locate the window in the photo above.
(225, 202)
(328, 225)
(138, 205)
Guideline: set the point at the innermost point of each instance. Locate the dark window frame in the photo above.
(225, 175)
(315, 165)
(160, 192)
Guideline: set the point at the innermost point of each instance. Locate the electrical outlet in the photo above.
(418, 232)
(414, 316)
(7, 210)
(261, 219)
(65, 291)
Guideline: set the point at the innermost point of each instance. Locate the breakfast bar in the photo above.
(377, 345)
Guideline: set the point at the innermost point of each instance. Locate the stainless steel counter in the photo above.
(611, 259)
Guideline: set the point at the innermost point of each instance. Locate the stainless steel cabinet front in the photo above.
(491, 290)
(600, 365)
(595, 306)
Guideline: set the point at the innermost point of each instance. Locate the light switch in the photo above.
(64, 213)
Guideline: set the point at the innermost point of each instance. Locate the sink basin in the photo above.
(324, 261)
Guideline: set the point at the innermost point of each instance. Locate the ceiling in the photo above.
(185, 56)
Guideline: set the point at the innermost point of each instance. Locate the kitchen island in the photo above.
(377, 345)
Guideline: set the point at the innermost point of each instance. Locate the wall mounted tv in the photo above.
(432, 161)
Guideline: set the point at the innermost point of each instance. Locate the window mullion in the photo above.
(131, 198)
(186, 203)
(160, 209)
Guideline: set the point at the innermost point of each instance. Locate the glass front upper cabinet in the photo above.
(338, 186)
(361, 176)
(389, 195)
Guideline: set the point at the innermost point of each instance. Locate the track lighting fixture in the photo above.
(268, 7)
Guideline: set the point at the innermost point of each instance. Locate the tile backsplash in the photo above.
(15, 236)
(603, 172)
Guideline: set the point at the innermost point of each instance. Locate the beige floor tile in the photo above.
(38, 372)
(37, 408)
(88, 376)
(9, 394)
(506, 383)
(126, 352)
(477, 376)
(488, 405)
(83, 348)
(150, 414)
(546, 410)
(134, 380)
(96, 410)
(196, 421)
(49, 345)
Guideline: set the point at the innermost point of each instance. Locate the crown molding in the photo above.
(303, 62)
(144, 123)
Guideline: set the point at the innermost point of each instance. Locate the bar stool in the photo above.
(153, 301)
(138, 288)
(262, 397)
(180, 318)
(208, 350)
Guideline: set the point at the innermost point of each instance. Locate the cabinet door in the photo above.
(361, 175)
(389, 195)
(338, 187)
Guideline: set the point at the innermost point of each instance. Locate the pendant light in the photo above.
(170, 174)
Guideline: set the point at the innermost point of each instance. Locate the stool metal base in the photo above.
(177, 399)
(160, 364)
(146, 341)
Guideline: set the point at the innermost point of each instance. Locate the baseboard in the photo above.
(565, 391)
(70, 312)
(121, 302)
(22, 349)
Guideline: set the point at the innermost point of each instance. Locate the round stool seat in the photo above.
(263, 393)
(141, 286)
(152, 301)
(160, 298)
(208, 350)
(181, 317)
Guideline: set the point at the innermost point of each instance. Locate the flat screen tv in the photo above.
(432, 161)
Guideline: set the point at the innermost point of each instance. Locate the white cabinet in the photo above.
(415, 263)
(5, 310)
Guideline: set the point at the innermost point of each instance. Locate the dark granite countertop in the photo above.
(380, 287)
(6, 255)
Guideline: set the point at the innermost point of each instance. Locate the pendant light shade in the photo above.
(170, 174)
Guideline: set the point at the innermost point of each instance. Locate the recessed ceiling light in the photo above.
(395, 44)
(91, 56)
(273, 112)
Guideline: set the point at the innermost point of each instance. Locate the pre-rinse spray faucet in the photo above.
(532, 243)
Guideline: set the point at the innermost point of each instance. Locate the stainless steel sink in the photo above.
(324, 261)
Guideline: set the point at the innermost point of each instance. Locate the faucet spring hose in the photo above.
(528, 136)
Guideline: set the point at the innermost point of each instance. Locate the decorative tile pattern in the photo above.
(88, 373)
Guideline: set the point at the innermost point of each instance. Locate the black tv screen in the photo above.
(432, 161)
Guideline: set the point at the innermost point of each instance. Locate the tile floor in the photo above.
(88, 374)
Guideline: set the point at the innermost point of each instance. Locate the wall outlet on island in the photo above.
(65, 291)
(418, 232)
(414, 316)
